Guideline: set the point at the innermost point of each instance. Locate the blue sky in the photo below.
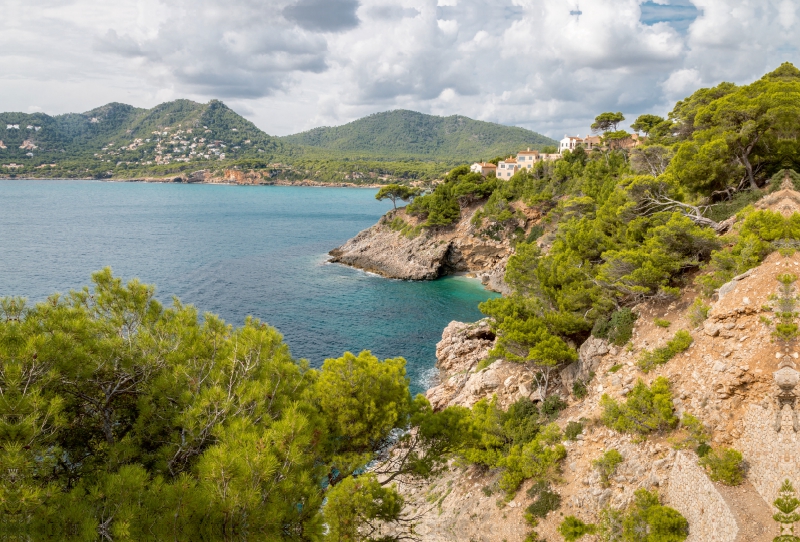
(290, 65)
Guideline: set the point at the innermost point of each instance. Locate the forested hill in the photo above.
(408, 133)
(118, 132)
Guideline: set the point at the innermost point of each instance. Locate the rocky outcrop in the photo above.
(462, 348)
(428, 253)
(590, 355)
(389, 253)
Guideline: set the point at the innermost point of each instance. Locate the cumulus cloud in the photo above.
(293, 64)
(323, 15)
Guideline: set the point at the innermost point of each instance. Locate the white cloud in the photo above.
(292, 64)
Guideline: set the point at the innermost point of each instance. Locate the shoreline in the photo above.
(308, 183)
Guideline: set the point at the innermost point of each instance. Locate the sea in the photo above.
(234, 251)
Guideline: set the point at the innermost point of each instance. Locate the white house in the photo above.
(571, 143)
(484, 168)
(507, 168)
(12, 126)
(526, 159)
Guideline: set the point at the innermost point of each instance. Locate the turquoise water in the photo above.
(234, 251)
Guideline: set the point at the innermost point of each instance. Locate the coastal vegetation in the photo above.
(181, 138)
(122, 418)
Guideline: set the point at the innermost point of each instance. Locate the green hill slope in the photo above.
(177, 131)
(408, 133)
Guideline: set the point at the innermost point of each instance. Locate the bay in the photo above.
(233, 251)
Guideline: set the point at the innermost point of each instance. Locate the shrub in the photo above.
(660, 322)
(697, 433)
(545, 501)
(698, 312)
(726, 466)
(645, 410)
(572, 430)
(618, 329)
(702, 449)
(652, 358)
(645, 520)
(572, 528)
(552, 406)
(579, 389)
(607, 464)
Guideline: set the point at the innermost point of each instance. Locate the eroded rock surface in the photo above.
(427, 254)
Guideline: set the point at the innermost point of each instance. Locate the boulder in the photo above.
(590, 355)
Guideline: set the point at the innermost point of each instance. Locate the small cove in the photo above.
(234, 251)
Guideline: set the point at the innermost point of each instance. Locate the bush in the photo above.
(646, 409)
(572, 430)
(545, 501)
(579, 389)
(726, 466)
(646, 520)
(660, 322)
(572, 528)
(652, 358)
(697, 433)
(698, 312)
(618, 329)
(607, 465)
(552, 406)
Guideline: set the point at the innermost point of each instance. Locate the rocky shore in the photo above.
(416, 253)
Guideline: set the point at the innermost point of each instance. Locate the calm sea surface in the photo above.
(233, 251)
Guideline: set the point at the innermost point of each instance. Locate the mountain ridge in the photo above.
(406, 132)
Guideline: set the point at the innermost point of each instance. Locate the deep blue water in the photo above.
(234, 251)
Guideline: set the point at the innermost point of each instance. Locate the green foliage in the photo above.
(514, 441)
(149, 421)
(698, 312)
(785, 327)
(572, 430)
(551, 406)
(396, 192)
(607, 464)
(580, 389)
(545, 500)
(726, 466)
(573, 529)
(645, 520)
(651, 359)
(357, 501)
(697, 433)
(605, 122)
(408, 133)
(646, 123)
(787, 515)
(645, 410)
(443, 206)
(660, 322)
(618, 329)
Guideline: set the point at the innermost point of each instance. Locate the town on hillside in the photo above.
(505, 169)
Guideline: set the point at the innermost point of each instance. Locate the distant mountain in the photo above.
(121, 133)
(408, 133)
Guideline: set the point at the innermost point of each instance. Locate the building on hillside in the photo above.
(28, 145)
(2, 145)
(570, 143)
(507, 168)
(484, 168)
(12, 126)
(13, 166)
(526, 159)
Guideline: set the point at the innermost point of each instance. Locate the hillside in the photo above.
(119, 137)
(408, 133)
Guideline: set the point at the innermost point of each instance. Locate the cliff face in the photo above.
(734, 378)
(426, 254)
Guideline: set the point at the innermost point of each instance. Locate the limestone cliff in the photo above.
(398, 247)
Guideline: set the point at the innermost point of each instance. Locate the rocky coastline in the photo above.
(398, 247)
